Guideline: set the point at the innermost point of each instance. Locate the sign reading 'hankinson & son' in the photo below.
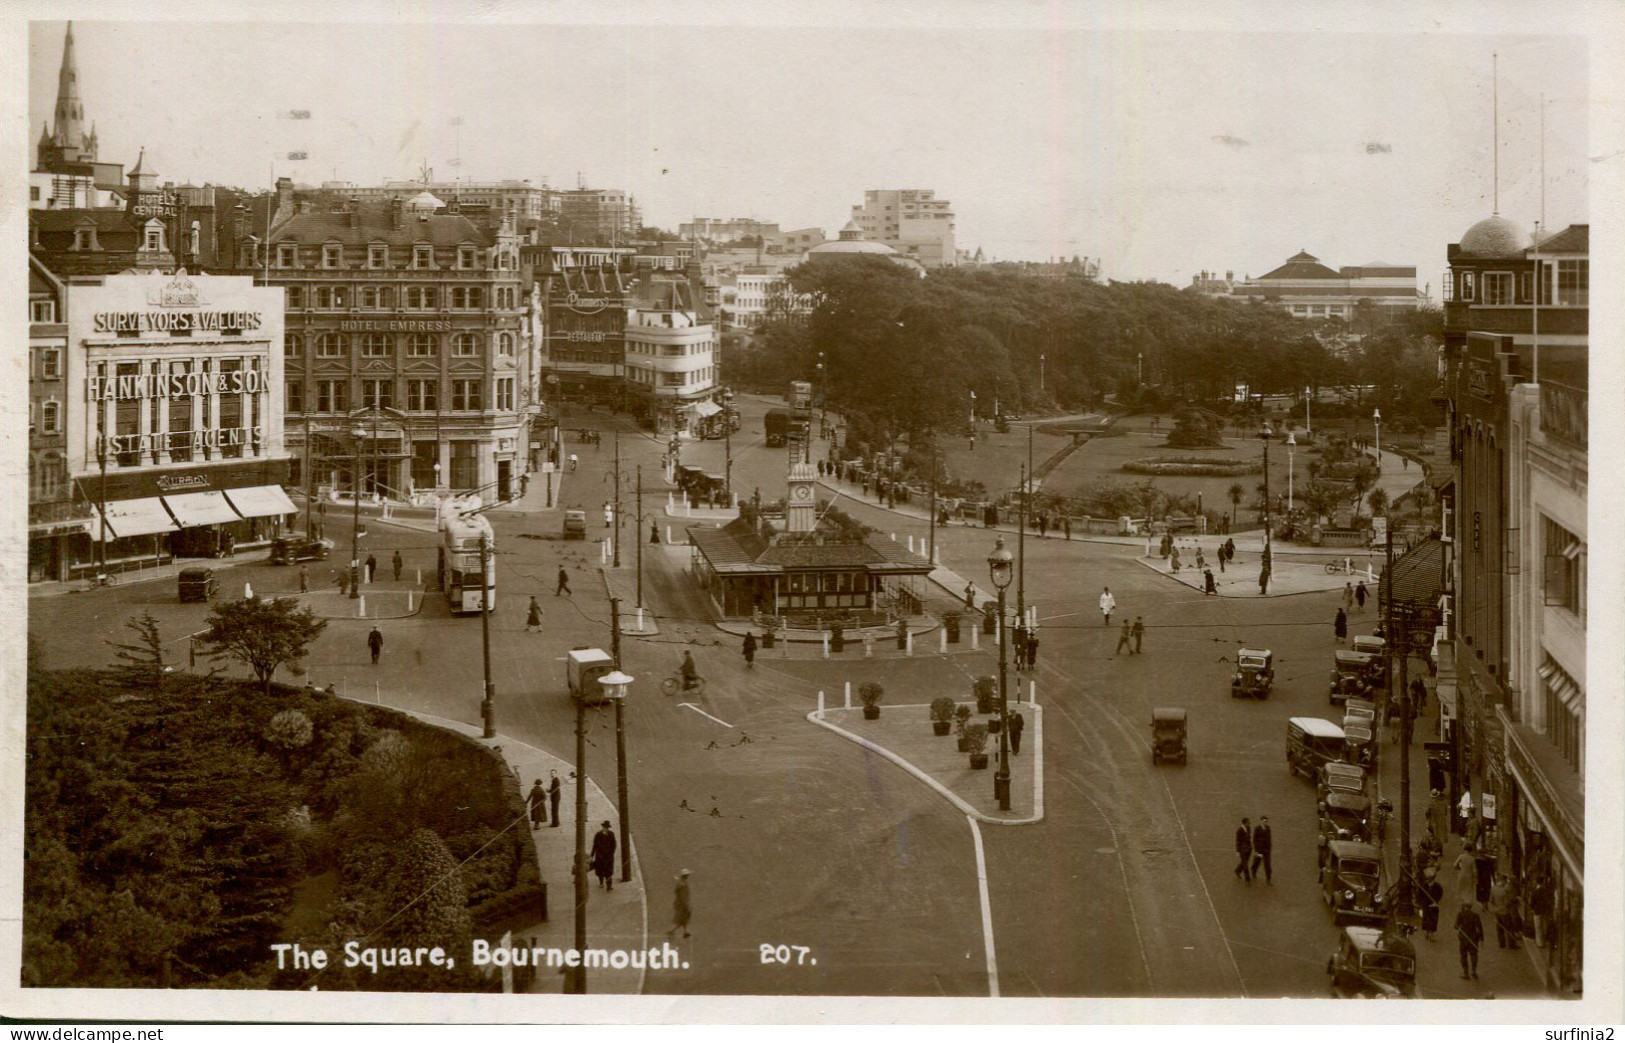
(174, 385)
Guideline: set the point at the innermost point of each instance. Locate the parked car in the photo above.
(1345, 816)
(197, 583)
(1359, 745)
(1373, 964)
(1351, 882)
(1376, 648)
(1340, 777)
(575, 525)
(287, 550)
(1351, 676)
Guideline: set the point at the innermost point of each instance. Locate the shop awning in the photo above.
(141, 517)
(193, 510)
(705, 409)
(261, 501)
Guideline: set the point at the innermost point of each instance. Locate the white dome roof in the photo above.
(1494, 237)
(424, 200)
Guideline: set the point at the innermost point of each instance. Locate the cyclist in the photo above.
(690, 674)
(573, 461)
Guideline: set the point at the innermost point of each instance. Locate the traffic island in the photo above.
(904, 736)
(372, 604)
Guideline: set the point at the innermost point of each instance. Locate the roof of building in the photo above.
(1301, 265)
(376, 225)
(737, 548)
(1494, 236)
(1575, 239)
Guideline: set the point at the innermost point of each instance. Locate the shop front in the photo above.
(1545, 849)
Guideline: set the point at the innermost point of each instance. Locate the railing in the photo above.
(1563, 412)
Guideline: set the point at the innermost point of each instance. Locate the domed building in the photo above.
(1494, 237)
(853, 244)
(424, 202)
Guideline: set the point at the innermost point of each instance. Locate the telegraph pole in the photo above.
(488, 710)
(615, 529)
(577, 981)
(620, 745)
(931, 553)
(1021, 552)
(637, 540)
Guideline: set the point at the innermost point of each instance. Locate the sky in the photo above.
(1189, 144)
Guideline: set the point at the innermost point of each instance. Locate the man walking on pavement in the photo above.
(1107, 603)
(1469, 935)
(538, 810)
(680, 910)
(397, 564)
(564, 583)
(603, 856)
(1208, 586)
(533, 616)
(1504, 908)
(1360, 596)
(304, 579)
(375, 643)
(1123, 639)
(553, 792)
(750, 650)
(1261, 849)
(1139, 633)
(372, 567)
(1032, 651)
(1018, 724)
(1244, 851)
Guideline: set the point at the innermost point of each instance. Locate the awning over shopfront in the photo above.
(194, 510)
(141, 517)
(705, 409)
(261, 501)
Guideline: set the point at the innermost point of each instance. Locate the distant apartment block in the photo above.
(716, 230)
(911, 221)
(514, 199)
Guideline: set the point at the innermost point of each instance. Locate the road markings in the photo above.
(702, 713)
(987, 910)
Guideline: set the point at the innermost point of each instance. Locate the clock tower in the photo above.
(801, 505)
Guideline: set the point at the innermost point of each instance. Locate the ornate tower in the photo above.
(68, 141)
(801, 506)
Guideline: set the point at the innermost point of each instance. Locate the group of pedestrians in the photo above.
(1131, 636)
(1025, 641)
(1253, 846)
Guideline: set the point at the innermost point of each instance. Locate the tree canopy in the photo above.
(261, 634)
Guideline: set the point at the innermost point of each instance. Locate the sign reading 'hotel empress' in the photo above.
(395, 325)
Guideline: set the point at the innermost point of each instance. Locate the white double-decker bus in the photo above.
(458, 567)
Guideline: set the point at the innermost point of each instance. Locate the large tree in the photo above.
(261, 634)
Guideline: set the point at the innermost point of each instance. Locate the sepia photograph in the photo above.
(535, 515)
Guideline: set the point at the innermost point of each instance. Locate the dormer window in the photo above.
(332, 255)
(43, 311)
(465, 257)
(287, 255)
(154, 238)
(378, 256)
(423, 257)
(85, 239)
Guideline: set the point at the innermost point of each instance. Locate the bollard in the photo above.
(868, 644)
(975, 638)
(248, 592)
(668, 503)
(640, 619)
(820, 702)
(894, 537)
(361, 607)
(942, 643)
(908, 648)
(826, 645)
(849, 695)
(375, 697)
(936, 556)
(733, 501)
(911, 543)
(1032, 692)
(668, 535)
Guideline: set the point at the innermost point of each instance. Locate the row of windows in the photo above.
(383, 345)
(467, 257)
(1563, 553)
(333, 396)
(1319, 309)
(669, 351)
(413, 298)
(1573, 285)
(701, 377)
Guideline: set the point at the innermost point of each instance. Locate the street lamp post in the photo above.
(1264, 436)
(1000, 566)
(356, 434)
(1040, 373)
(615, 684)
(1139, 367)
(101, 530)
(1308, 402)
(1376, 425)
(1291, 447)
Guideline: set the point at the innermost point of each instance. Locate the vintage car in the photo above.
(1373, 964)
(1360, 708)
(1351, 676)
(1344, 816)
(575, 525)
(1359, 745)
(1167, 734)
(1351, 882)
(286, 550)
(1255, 673)
(1340, 777)
(196, 584)
(1376, 648)
(1310, 743)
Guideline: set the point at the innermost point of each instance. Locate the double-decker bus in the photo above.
(462, 539)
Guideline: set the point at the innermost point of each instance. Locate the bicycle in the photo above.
(1344, 566)
(674, 684)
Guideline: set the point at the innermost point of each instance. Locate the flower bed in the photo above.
(1193, 466)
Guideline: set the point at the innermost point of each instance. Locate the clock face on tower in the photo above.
(803, 492)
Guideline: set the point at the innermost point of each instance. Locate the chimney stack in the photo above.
(397, 212)
(284, 194)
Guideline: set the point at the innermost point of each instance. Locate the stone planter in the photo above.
(871, 713)
(978, 761)
(993, 726)
(768, 639)
(939, 727)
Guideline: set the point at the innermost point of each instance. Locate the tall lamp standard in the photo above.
(615, 684)
(1291, 446)
(1264, 436)
(1376, 426)
(1040, 373)
(1000, 568)
(356, 434)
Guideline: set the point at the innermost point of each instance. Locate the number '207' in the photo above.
(786, 955)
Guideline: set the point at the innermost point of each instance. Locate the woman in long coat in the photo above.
(1340, 626)
(1432, 894)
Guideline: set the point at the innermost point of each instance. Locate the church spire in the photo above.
(68, 128)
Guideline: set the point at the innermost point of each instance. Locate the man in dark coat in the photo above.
(564, 583)
(372, 567)
(538, 811)
(1123, 639)
(375, 643)
(1032, 651)
(603, 856)
(553, 792)
(1139, 633)
(1244, 851)
(1208, 586)
(1360, 596)
(750, 649)
(1469, 935)
(1261, 849)
(397, 563)
(1018, 724)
